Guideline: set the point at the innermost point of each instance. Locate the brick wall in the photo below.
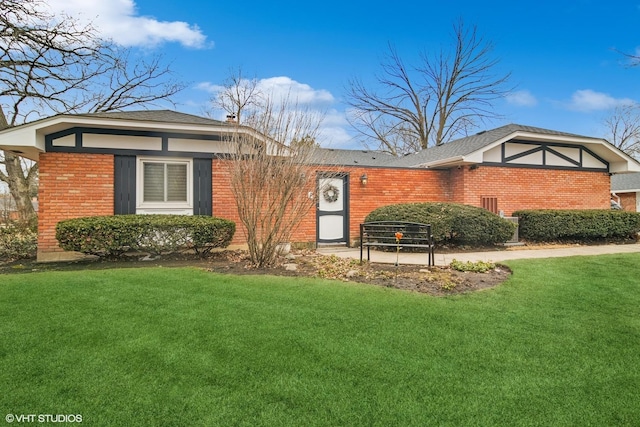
(223, 200)
(74, 185)
(71, 186)
(628, 201)
(387, 186)
(523, 188)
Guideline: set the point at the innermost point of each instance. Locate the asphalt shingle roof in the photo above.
(625, 182)
(469, 144)
(165, 116)
(330, 156)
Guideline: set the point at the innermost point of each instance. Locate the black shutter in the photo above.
(124, 183)
(202, 187)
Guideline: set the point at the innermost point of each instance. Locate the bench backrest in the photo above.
(384, 231)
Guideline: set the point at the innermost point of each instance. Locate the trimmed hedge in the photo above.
(550, 225)
(156, 234)
(450, 222)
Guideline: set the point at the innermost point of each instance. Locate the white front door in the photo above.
(332, 209)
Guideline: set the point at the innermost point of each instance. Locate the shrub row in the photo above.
(450, 222)
(550, 225)
(156, 234)
(17, 243)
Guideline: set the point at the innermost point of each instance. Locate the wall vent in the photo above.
(490, 203)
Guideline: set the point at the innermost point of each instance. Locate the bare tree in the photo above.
(623, 128)
(271, 179)
(632, 59)
(448, 95)
(238, 95)
(51, 65)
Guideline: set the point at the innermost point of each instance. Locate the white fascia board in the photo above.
(635, 190)
(471, 158)
(29, 139)
(65, 122)
(451, 161)
(537, 137)
(624, 166)
(574, 140)
(618, 160)
(22, 141)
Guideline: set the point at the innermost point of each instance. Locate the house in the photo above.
(625, 191)
(168, 162)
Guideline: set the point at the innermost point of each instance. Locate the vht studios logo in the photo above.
(43, 418)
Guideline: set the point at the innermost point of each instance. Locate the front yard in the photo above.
(556, 344)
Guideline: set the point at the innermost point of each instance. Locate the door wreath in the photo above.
(330, 193)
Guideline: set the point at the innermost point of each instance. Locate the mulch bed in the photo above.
(431, 280)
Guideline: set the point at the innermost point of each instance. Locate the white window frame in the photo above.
(180, 208)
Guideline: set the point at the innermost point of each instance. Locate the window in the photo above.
(164, 185)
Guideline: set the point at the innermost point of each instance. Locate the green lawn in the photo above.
(558, 344)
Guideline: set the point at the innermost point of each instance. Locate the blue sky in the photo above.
(561, 54)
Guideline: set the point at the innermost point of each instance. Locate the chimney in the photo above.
(231, 118)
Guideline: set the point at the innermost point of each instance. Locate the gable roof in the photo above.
(28, 139)
(468, 145)
(469, 150)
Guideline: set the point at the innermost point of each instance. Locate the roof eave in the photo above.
(28, 140)
(625, 166)
(626, 190)
(619, 161)
(443, 163)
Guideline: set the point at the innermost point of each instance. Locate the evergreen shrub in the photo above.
(155, 234)
(451, 223)
(590, 224)
(18, 242)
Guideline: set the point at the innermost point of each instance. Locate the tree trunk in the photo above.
(16, 179)
(19, 186)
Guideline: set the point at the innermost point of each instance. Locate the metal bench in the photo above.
(383, 234)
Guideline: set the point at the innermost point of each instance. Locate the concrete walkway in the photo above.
(492, 256)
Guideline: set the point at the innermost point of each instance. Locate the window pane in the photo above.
(153, 182)
(176, 183)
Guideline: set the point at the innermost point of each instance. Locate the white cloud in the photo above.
(522, 98)
(119, 21)
(282, 88)
(587, 100)
(333, 131)
(209, 87)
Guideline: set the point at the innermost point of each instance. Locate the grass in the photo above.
(558, 344)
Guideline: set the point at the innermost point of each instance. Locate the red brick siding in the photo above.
(223, 200)
(523, 188)
(74, 185)
(387, 186)
(628, 201)
(71, 186)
